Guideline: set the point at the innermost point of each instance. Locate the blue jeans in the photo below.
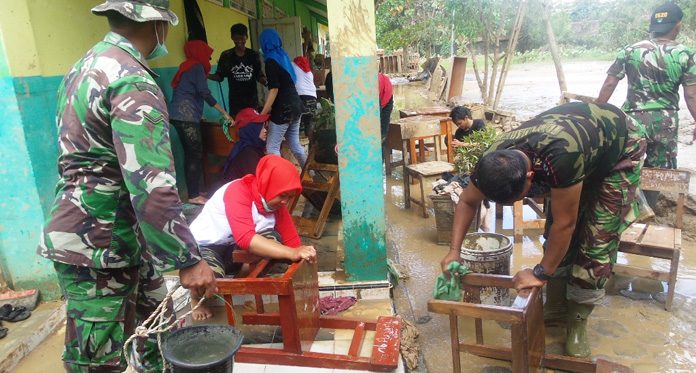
(291, 132)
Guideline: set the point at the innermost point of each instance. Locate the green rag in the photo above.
(225, 128)
(449, 289)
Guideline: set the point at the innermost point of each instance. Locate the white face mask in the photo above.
(160, 49)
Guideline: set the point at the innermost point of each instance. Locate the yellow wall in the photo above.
(50, 36)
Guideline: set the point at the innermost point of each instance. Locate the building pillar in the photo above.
(354, 70)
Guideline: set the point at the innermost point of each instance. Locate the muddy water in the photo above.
(629, 327)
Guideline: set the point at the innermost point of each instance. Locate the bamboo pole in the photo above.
(512, 44)
(554, 47)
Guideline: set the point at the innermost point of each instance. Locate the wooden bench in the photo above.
(299, 317)
(528, 336)
(657, 241)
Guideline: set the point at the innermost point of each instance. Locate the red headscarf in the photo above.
(302, 63)
(274, 175)
(196, 51)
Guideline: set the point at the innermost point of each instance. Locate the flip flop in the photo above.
(17, 314)
(5, 310)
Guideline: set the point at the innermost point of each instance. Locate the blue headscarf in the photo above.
(272, 48)
(248, 136)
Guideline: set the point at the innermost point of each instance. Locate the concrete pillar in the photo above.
(354, 68)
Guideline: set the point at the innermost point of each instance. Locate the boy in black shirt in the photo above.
(461, 116)
(242, 68)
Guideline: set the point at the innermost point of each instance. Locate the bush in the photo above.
(466, 157)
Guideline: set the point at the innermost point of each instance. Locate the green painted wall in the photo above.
(43, 46)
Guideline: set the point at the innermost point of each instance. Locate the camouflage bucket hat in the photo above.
(139, 10)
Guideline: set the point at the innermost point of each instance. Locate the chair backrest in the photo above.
(670, 181)
(420, 127)
(566, 97)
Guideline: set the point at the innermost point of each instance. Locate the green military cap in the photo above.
(139, 10)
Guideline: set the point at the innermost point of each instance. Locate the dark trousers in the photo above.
(385, 118)
(190, 135)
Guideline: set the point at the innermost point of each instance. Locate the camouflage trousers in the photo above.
(219, 257)
(103, 309)
(607, 209)
(662, 127)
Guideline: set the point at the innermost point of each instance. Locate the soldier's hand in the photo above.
(199, 278)
(450, 257)
(525, 279)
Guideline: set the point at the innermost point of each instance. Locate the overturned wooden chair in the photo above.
(654, 240)
(528, 336)
(300, 319)
(320, 194)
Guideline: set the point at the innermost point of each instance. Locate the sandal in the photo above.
(17, 314)
(5, 310)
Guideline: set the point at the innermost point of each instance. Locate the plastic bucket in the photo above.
(202, 348)
(488, 253)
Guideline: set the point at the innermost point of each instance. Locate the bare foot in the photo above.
(202, 313)
(200, 200)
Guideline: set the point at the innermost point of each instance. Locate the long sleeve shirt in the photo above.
(189, 95)
(116, 200)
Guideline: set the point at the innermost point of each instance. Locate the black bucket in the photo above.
(202, 348)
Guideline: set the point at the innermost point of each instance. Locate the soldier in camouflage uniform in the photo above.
(116, 223)
(589, 158)
(655, 69)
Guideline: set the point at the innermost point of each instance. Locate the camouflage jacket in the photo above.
(116, 201)
(571, 143)
(655, 69)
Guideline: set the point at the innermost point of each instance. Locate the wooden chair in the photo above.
(417, 151)
(320, 194)
(518, 214)
(215, 142)
(421, 127)
(528, 336)
(299, 317)
(657, 241)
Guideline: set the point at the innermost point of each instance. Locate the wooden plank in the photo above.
(431, 168)
(305, 300)
(251, 318)
(633, 233)
(559, 362)
(357, 340)
(605, 366)
(627, 270)
(264, 286)
(658, 237)
(385, 351)
(654, 252)
(478, 279)
(664, 180)
(257, 355)
(454, 343)
(487, 312)
(339, 322)
(419, 126)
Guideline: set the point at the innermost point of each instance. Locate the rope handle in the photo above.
(157, 324)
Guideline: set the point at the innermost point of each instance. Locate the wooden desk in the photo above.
(438, 111)
(394, 140)
(215, 142)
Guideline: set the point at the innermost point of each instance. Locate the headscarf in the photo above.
(196, 51)
(274, 175)
(248, 136)
(272, 47)
(303, 63)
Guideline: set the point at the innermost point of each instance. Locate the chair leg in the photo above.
(672, 279)
(518, 220)
(407, 189)
(422, 197)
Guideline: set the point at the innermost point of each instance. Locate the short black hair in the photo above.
(460, 112)
(501, 175)
(238, 29)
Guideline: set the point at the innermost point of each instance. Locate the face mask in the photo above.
(160, 49)
(265, 205)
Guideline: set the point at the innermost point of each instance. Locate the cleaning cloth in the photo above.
(449, 289)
